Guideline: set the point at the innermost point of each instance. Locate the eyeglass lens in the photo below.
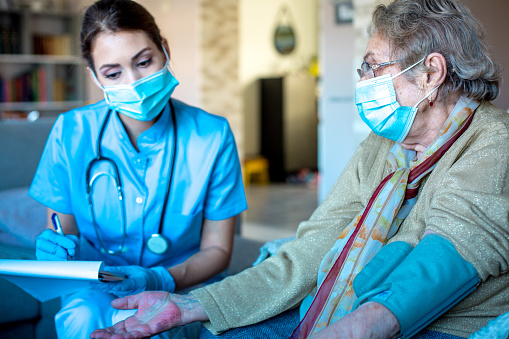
(365, 71)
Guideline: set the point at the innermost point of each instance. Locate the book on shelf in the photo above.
(32, 86)
(10, 33)
(52, 44)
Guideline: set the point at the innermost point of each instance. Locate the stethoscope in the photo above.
(156, 243)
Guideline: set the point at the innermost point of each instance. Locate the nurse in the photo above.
(141, 181)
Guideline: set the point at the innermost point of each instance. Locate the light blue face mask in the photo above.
(145, 98)
(378, 108)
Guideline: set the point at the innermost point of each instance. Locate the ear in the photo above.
(94, 78)
(167, 47)
(438, 71)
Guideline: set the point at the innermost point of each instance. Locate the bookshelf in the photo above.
(40, 66)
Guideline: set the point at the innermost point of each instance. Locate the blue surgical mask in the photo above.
(378, 108)
(145, 98)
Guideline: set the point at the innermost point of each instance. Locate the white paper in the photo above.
(46, 280)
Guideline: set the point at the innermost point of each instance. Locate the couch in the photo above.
(22, 219)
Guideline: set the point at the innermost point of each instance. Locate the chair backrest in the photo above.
(21, 146)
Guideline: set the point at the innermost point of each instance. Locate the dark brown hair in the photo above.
(112, 16)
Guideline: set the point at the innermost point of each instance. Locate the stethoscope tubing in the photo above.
(118, 183)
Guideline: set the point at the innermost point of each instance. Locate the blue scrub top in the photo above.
(207, 181)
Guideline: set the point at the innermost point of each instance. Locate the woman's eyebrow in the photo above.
(139, 53)
(371, 55)
(109, 66)
(132, 59)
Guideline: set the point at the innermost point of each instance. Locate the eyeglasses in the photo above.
(368, 71)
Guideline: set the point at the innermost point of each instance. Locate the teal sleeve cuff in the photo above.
(428, 281)
(380, 266)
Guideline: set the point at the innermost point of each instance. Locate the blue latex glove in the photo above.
(50, 245)
(138, 279)
(270, 248)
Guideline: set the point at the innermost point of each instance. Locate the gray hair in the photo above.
(417, 28)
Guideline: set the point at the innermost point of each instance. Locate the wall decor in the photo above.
(284, 34)
(344, 12)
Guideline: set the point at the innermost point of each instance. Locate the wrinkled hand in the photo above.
(138, 279)
(370, 320)
(50, 245)
(157, 312)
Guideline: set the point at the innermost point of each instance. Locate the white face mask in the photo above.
(145, 98)
(376, 102)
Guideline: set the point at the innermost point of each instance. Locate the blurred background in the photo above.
(281, 71)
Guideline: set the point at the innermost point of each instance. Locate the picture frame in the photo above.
(344, 12)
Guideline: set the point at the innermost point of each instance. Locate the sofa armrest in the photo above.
(22, 145)
(22, 218)
(245, 252)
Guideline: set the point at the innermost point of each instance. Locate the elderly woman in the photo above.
(413, 239)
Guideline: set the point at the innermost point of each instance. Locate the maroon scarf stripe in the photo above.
(328, 283)
(433, 159)
(411, 193)
(322, 295)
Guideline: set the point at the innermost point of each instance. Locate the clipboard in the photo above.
(46, 280)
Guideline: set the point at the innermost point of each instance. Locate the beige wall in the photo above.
(219, 72)
(493, 15)
(258, 57)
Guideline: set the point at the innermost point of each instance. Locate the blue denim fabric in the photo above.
(434, 335)
(279, 327)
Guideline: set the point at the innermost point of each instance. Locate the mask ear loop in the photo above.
(409, 67)
(167, 57)
(96, 80)
(427, 96)
(100, 86)
(167, 64)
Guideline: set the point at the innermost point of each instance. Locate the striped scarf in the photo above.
(360, 241)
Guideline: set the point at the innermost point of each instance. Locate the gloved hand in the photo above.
(138, 279)
(50, 245)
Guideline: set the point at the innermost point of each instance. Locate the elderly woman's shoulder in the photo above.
(490, 117)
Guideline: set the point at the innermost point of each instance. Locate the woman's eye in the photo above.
(145, 63)
(112, 75)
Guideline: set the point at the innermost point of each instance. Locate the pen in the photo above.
(56, 224)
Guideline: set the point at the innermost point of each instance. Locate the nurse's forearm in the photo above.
(200, 267)
(216, 247)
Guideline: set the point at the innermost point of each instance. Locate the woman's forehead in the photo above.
(377, 49)
(112, 47)
(124, 38)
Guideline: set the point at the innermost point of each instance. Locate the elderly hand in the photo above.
(50, 245)
(370, 320)
(157, 312)
(138, 279)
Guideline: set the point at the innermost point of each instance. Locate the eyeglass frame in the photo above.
(373, 68)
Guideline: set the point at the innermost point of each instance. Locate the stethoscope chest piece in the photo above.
(157, 244)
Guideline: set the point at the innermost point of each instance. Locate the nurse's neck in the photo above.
(135, 127)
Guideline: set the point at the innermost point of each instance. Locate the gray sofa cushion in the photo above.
(22, 144)
(21, 218)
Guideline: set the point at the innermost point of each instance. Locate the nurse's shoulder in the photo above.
(191, 119)
(84, 121)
